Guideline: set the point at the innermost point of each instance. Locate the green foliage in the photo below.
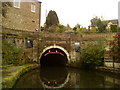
(78, 25)
(83, 29)
(61, 28)
(118, 28)
(69, 32)
(100, 24)
(51, 29)
(92, 55)
(10, 54)
(52, 19)
(94, 29)
(56, 29)
(68, 25)
(10, 80)
(75, 28)
(86, 31)
(114, 28)
(115, 47)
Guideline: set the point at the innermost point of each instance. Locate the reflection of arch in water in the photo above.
(53, 74)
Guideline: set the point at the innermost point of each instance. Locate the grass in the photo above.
(11, 78)
(5, 66)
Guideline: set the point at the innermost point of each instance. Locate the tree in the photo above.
(100, 24)
(78, 25)
(75, 28)
(68, 25)
(52, 19)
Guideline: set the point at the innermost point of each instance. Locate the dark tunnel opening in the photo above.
(53, 57)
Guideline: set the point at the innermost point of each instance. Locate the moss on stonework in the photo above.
(10, 79)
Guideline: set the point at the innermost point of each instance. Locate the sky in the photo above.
(74, 12)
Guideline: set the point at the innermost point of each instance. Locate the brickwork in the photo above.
(22, 18)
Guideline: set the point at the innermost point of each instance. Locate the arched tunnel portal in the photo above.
(54, 56)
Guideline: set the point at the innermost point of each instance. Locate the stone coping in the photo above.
(109, 70)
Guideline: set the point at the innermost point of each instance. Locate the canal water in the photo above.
(57, 77)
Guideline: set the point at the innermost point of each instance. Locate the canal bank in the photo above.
(106, 69)
(11, 73)
(62, 77)
(110, 70)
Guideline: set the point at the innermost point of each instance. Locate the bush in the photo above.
(10, 54)
(114, 28)
(69, 32)
(60, 28)
(56, 29)
(51, 29)
(115, 47)
(118, 28)
(92, 56)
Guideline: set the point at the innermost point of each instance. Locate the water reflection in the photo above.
(57, 77)
(54, 77)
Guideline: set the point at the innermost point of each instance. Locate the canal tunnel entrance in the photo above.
(53, 57)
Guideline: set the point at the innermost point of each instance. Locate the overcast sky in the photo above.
(80, 11)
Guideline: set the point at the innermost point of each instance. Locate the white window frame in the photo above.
(17, 6)
(33, 7)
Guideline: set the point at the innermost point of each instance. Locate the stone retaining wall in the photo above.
(111, 64)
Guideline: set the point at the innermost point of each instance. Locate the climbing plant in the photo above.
(115, 47)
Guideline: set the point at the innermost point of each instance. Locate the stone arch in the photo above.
(58, 47)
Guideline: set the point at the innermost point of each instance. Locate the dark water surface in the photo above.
(56, 77)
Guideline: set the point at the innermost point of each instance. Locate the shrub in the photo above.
(114, 28)
(69, 32)
(118, 28)
(51, 29)
(56, 29)
(10, 54)
(60, 28)
(115, 47)
(92, 56)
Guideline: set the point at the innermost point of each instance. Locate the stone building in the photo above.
(23, 15)
(111, 22)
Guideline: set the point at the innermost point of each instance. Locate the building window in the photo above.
(33, 8)
(17, 3)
